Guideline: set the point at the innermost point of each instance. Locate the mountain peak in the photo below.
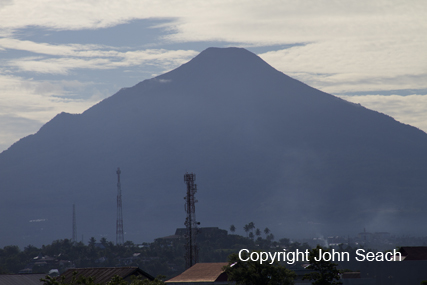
(224, 62)
(229, 52)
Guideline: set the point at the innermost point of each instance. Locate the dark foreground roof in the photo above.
(202, 272)
(414, 252)
(21, 279)
(104, 274)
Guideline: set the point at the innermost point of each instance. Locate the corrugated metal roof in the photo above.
(21, 279)
(104, 274)
(201, 272)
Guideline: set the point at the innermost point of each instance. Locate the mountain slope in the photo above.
(265, 147)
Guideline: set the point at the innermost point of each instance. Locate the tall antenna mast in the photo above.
(119, 224)
(191, 250)
(74, 239)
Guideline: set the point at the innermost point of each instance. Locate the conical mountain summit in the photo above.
(265, 148)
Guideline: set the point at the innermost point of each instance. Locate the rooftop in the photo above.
(202, 272)
(414, 252)
(21, 279)
(104, 274)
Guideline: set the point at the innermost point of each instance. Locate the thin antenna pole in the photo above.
(74, 239)
(119, 224)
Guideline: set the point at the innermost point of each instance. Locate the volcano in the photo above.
(265, 148)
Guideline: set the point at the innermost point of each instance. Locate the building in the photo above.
(21, 279)
(202, 234)
(103, 275)
(202, 274)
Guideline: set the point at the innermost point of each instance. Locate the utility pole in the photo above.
(119, 223)
(191, 249)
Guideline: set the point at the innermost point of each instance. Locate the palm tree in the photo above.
(232, 228)
(251, 235)
(246, 228)
(251, 226)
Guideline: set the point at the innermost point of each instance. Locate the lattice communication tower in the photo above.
(191, 249)
(119, 223)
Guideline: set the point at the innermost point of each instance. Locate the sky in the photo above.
(65, 56)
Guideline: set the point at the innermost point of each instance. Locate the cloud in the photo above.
(14, 128)
(50, 49)
(411, 109)
(63, 65)
(264, 22)
(39, 100)
(349, 65)
(57, 65)
(60, 59)
(348, 45)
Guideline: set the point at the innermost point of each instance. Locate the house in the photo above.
(205, 232)
(202, 274)
(105, 274)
